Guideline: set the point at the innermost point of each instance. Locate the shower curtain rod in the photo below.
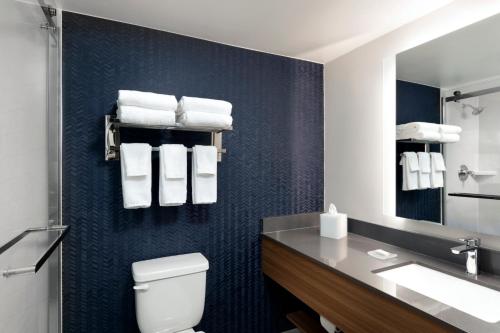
(457, 95)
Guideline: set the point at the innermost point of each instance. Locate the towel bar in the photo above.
(60, 231)
(112, 136)
(189, 150)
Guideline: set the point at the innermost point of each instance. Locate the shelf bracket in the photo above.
(112, 140)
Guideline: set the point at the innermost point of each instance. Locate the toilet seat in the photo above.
(190, 331)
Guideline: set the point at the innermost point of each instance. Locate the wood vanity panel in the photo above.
(305, 323)
(351, 305)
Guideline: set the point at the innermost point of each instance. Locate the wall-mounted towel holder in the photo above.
(426, 143)
(53, 236)
(112, 136)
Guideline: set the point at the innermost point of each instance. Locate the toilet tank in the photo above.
(170, 292)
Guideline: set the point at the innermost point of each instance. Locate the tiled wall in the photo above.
(274, 166)
(416, 102)
(478, 150)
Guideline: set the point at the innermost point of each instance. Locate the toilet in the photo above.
(170, 293)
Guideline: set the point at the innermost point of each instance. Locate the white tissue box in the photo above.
(333, 226)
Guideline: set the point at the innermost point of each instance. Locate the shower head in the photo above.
(475, 109)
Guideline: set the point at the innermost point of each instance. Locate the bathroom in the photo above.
(249, 166)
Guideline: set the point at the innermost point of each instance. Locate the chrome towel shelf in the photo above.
(424, 142)
(112, 136)
(58, 233)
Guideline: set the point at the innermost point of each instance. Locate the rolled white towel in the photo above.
(142, 116)
(205, 119)
(147, 100)
(195, 104)
(450, 129)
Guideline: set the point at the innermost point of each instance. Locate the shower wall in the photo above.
(23, 151)
(478, 149)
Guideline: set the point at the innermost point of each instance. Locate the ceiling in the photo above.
(465, 56)
(316, 30)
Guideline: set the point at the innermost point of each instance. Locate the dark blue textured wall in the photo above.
(416, 102)
(274, 166)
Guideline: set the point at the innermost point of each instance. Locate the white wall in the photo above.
(479, 149)
(360, 112)
(23, 166)
(461, 213)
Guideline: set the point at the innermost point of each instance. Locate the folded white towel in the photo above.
(147, 100)
(205, 119)
(450, 129)
(204, 174)
(173, 175)
(419, 126)
(428, 131)
(410, 133)
(437, 169)
(143, 116)
(409, 162)
(424, 172)
(135, 165)
(195, 104)
(449, 137)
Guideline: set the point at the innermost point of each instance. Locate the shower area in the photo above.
(472, 193)
(31, 230)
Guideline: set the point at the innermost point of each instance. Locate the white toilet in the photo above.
(170, 293)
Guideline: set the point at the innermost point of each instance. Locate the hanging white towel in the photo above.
(424, 172)
(135, 165)
(143, 116)
(409, 162)
(437, 169)
(195, 104)
(173, 175)
(205, 119)
(204, 175)
(147, 100)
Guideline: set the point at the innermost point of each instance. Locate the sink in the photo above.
(474, 299)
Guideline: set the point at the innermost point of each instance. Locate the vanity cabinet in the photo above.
(351, 305)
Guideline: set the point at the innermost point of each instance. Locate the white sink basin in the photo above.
(474, 299)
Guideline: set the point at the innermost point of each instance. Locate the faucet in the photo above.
(471, 246)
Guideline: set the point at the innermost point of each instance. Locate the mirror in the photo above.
(452, 81)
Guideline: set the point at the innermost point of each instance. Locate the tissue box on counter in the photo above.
(333, 224)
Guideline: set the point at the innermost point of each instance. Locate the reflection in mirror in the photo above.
(448, 130)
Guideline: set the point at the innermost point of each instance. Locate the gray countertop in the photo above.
(349, 256)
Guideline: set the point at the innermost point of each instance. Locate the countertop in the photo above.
(349, 257)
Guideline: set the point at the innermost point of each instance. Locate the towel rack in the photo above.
(112, 136)
(426, 143)
(60, 231)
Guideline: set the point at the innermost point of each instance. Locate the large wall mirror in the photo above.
(448, 130)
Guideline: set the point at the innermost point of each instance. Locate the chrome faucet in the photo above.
(471, 246)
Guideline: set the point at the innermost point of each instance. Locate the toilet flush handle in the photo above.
(142, 287)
